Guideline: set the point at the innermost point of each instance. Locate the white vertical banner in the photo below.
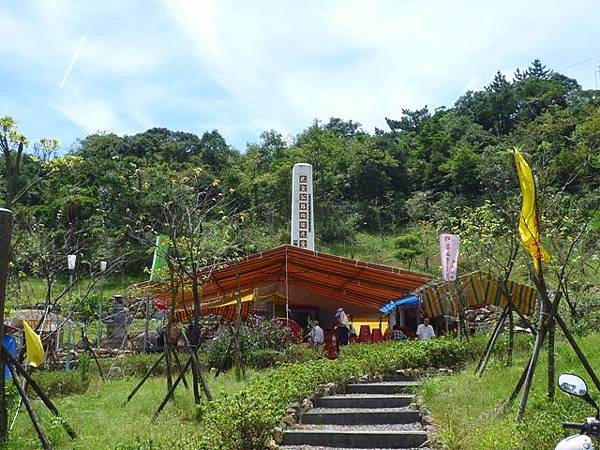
(449, 250)
(303, 229)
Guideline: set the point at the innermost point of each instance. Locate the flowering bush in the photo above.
(254, 337)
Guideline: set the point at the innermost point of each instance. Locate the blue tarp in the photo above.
(410, 301)
(11, 345)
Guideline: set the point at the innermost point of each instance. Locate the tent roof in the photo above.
(343, 280)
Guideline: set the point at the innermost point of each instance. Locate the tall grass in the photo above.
(467, 410)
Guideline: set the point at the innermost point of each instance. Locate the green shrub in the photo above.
(58, 383)
(263, 358)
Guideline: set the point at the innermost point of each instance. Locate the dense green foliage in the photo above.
(449, 170)
(428, 166)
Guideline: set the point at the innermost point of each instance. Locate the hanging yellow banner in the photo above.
(529, 231)
(35, 349)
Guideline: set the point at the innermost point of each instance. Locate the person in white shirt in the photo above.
(425, 331)
(317, 335)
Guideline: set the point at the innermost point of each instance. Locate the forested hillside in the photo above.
(434, 168)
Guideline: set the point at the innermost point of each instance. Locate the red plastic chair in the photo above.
(292, 326)
(376, 336)
(365, 334)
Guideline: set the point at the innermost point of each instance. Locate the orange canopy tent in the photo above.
(295, 277)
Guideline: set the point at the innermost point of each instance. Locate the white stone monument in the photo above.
(303, 229)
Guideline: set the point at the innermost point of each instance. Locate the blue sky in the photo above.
(70, 68)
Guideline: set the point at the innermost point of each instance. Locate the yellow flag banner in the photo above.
(529, 231)
(35, 349)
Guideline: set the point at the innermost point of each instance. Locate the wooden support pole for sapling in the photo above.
(551, 359)
(542, 334)
(226, 354)
(511, 336)
(586, 364)
(179, 367)
(491, 343)
(533, 362)
(199, 376)
(6, 222)
(38, 390)
(32, 415)
(194, 372)
(89, 348)
(144, 378)
(172, 389)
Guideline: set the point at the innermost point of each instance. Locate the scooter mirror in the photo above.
(572, 384)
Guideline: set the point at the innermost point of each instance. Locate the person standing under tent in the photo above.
(317, 335)
(425, 330)
(342, 326)
(398, 334)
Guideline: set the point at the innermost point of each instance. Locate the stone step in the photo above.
(384, 387)
(364, 401)
(356, 437)
(398, 377)
(358, 416)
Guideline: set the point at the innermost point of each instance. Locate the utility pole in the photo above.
(6, 222)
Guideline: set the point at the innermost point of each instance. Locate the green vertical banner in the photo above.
(159, 261)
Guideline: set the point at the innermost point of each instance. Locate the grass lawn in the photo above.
(103, 423)
(466, 407)
(33, 290)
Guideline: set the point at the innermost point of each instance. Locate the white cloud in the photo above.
(244, 67)
(91, 115)
(289, 62)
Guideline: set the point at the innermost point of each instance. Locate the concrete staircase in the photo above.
(369, 416)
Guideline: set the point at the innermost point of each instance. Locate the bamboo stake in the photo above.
(32, 415)
(179, 367)
(195, 383)
(144, 378)
(532, 364)
(222, 364)
(171, 390)
(551, 359)
(38, 390)
(89, 348)
(493, 342)
(200, 377)
(6, 222)
(542, 333)
(511, 336)
(577, 349)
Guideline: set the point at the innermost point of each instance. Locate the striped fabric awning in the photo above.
(475, 290)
